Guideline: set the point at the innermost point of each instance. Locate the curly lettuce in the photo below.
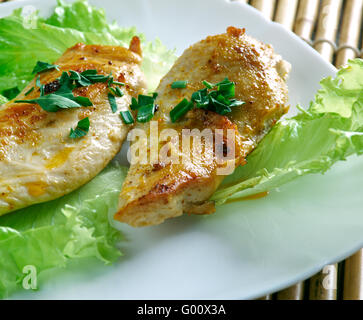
(311, 142)
(22, 40)
(48, 235)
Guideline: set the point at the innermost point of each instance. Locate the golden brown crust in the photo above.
(150, 195)
(38, 160)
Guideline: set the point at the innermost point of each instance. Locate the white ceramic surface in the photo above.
(246, 249)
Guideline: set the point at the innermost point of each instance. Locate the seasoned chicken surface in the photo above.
(38, 159)
(156, 191)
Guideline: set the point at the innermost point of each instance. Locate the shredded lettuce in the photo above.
(311, 142)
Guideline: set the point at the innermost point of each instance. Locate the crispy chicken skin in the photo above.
(38, 160)
(154, 192)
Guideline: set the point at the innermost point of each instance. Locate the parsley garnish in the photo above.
(116, 92)
(127, 117)
(145, 105)
(43, 66)
(81, 129)
(145, 113)
(179, 84)
(53, 102)
(214, 97)
(63, 98)
(112, 101)
(181, 109)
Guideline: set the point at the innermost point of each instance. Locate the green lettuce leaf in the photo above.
(3, 100)
(47, 235)
(22, 41)
(79, 15)
(82, 16)
(21, 47)
(76, 226)
(311, 142)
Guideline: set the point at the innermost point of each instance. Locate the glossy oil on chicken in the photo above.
(38, 160)
(154, 192)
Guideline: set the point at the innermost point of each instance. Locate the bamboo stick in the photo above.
(327, 28)
(349, 34)
(295, 292)
(269, 297)
(353, 277)
(323, 286)
(306, 18)
(267, 7)
(286, 12)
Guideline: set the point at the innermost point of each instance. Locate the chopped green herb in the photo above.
(118, 83)
(89, 72)
(134, 105)
(214, 97)
(145, 105)
(81, 129)
(66, 83)
(119, 92)
(44, 66)
(11, 93)
(53, 102)
(208, 84)
(180, 110)
(145, 113)
(116, 91)
(219, 106)
(94, 78)
(64, 98)
(109, 82)
(83, 101)
(201, 98)
(40, 86)
(112, 101)
(145, 100)
(81, 81)
(179, 84)
(29, 91)
(227, 90)
(127, 117)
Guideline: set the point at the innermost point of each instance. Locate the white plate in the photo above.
(246, 249)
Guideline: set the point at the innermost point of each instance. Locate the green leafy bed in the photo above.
(76, 226)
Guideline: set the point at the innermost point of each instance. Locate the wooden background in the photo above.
(334, 28)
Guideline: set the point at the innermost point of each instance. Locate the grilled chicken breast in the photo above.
(156, 191)
(38, 159)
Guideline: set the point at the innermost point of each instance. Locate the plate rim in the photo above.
(311, 271)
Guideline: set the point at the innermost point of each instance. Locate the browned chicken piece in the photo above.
(154, 192)
(38, 160)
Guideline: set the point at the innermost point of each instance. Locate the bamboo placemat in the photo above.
(335, 29)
